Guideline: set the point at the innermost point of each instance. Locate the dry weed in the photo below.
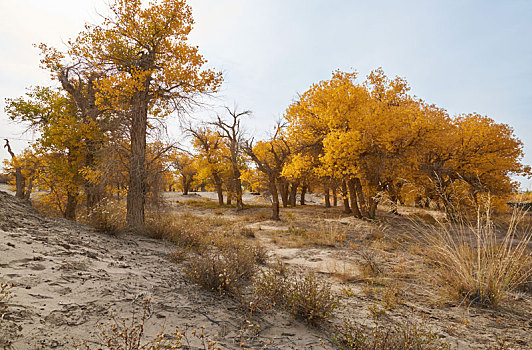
(472, 264)
(128, 334)
(408, 335)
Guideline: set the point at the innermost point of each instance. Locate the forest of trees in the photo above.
(364, 142)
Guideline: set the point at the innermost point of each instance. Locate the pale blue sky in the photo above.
(465, 56)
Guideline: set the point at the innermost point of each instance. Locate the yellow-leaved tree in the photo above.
(145, 68)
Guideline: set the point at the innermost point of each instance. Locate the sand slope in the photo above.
(69, 279)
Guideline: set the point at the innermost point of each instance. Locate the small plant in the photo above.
(129, 334)
(108, 216)
(472, 264)
(311, 299)
(409, 335)
(303, 296)
(270, 288)
(5, 295)
(370, 265)
(223, 269)
(8, 331)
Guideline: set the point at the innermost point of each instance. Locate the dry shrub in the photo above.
(370, 268)
(8, 330)
(270, 288)
(409, 335)
(311, 299)
(226, 267)
(304, 296)
(128, 334)
(107, 216)
(472, 264)
(5, 295)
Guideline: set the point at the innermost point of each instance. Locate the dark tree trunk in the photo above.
(70, 208)
(345, 197)
(335, 197)
(353, 198)
(372, 210)
(283, 188)
(275, 199)
(136, 195)
(185, 185)
(327, 196)
(27, 195)
(219, 189)
(303, 193)
(293, 194)
(360, 197)
(20, 183)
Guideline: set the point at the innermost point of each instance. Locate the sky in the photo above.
(464, 56)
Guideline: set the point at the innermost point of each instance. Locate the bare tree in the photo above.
(232, 131)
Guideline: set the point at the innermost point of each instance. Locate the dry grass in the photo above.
(473, 265)
(316, 233)
(342, 271)
(305, 296)
(408, 335)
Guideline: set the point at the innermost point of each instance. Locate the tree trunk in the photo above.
(345, 197)
(293, 194)
(219, 189)
(185, 185)
(283, 188)
(360, 197)
(353, 198)
(27, 195)
(237, 183)
(372, 210)
(20, 183)
(136, 195)
(70, 208)
(335, 197)
(275, 199)
(303, 192)
(327, 196)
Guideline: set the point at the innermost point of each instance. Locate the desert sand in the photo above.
(69, 279)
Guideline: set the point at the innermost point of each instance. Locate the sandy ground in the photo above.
(69, 279)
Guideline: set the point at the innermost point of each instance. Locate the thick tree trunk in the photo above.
(326, 191)
(292, 198)
(70, 208)
(275, 199)
(353, 198)
(345, 197)
(185, 185)
(136, 195)
(335, 197)
(20, 183)
(303, 193)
